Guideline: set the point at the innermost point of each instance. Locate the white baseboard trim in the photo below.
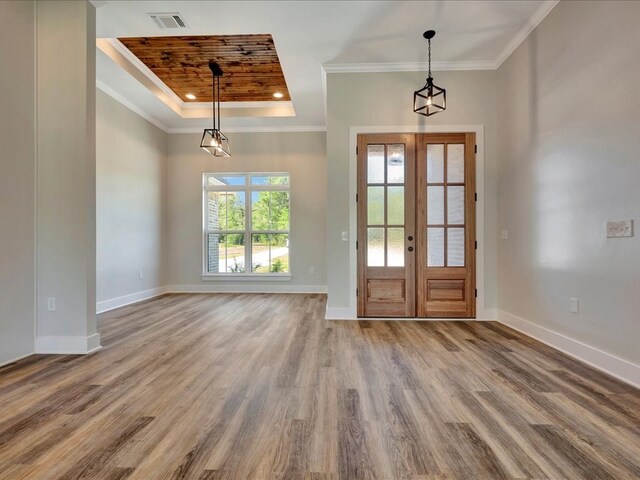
(68, 345)
(118, 302)
(246, 288)
(332, 313)
(7, 362)
(608, 363)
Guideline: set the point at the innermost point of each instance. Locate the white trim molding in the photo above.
(608, 363)
(278, 287)
(526, 30)
(124, 300)
(406, 66)
(135, 109)
(272, 129)
(16, 359)
(68, 345)
(482, 310)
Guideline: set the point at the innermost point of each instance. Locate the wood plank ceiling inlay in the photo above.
(250, 64)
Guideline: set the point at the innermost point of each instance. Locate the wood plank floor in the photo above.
(255, 386)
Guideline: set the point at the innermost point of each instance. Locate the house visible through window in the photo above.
(246, 224)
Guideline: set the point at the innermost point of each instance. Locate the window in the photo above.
(246, 224)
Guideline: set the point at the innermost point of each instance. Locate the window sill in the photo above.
(246, 277)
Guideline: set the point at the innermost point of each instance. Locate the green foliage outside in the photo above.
(270, 211)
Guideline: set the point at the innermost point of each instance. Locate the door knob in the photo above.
(410, 249)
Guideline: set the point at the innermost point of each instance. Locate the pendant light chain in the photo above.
(429, 41)
(213, 100)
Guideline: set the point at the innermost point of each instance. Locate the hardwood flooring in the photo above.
(256, 386)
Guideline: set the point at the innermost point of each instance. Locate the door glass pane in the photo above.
(395, 205)
(435, 163)
(375, 164)
(375, 205)
(375, 247)
(435, 205)
(455, 247)
(395, 247)
(395, 163)
(455, 205)
(455, 163)
(435, 247)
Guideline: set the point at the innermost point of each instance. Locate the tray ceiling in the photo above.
(250, 64)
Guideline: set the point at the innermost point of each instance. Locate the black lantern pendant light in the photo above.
(430, 99)
(213, 140)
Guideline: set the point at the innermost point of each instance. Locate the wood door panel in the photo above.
(445, 290)
(386, 290)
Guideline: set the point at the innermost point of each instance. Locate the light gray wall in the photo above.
(131, 201)
(17, 179)
(66, 168)
(570, 161)
(300, 154)
(379, 99)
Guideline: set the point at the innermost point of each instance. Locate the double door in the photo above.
(416, 225)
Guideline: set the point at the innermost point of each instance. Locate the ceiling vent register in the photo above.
(168, 20)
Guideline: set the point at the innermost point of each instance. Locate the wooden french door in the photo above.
(416, 225)
(386, 221)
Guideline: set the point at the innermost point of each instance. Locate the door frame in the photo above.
(482, 313)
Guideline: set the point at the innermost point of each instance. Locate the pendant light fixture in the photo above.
(214, 141)
(430, 99)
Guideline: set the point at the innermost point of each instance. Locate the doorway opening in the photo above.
(416, 241)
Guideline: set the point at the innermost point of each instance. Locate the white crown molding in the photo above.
(514, 43)
(405, 67)
(275, 129)
(135, 109)
(526, 30)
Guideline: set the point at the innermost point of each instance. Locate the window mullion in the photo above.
(248, 240)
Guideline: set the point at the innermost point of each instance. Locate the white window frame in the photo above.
(248, 189)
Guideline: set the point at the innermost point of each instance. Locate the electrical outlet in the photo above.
(140, 274)
(574, 305)
(312, 270)
(51, 304)
(345, 236)
(504, 234)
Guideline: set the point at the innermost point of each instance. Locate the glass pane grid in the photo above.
(228, 223)
(446, 205)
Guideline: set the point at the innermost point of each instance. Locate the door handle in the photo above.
(410, 249)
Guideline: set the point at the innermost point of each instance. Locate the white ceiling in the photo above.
(339, 35)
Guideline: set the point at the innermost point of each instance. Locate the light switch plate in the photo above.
(619, 228)
(573, 305)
